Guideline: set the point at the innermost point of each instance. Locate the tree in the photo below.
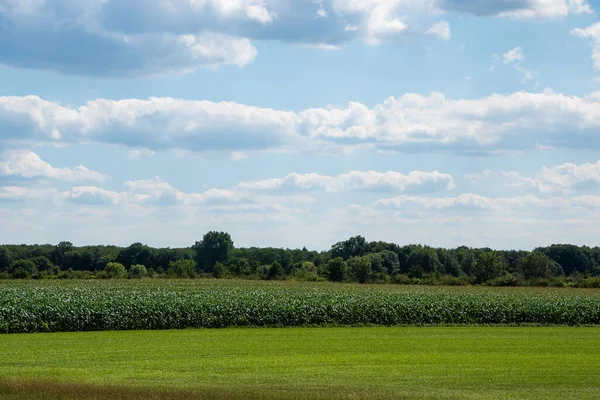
(5, 259)
(115, 270)
(337, 269)
(538, 265)
(306, 272)
(391, 263)
(137, 253)
(354, 247)
(361, 268)
(571, 258)
(59, 252)
(44, 265)
(449, 263)
(213, 248)
(275, 270)
(22, 269)
(424, 259)
(182, 268)
(488, 266)
(138, 271)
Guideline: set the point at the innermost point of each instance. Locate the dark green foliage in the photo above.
(52, 306)
(488, 266)
(213, 248)
(137, 253)
(181, 269)
(538, 265)
(416, 264)
(391, 263)
(354, 247)
(360, 268)
(5, 259)
(22, 269)
(424, 260)
(275, 270)
(337, 269)
(571, 258)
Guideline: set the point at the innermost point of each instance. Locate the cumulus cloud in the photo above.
(473, 205)
(563, 178)
(523, 9)
(592, 33)
(68, 37)
(415, 181)
(409, 123)
(129, 38)
(151, 192)
(25, 164)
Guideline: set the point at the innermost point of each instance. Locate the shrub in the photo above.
(181, 268)
(137, 271)
(114, 270)
(22, 269)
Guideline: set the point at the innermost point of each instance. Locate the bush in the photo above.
(504, 280)
(401, 279)
(138, 271)
(114, 270)
(181, 269)
(22, 269)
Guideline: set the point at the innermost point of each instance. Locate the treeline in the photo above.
(352, 260)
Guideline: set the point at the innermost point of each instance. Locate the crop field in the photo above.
(62, 306)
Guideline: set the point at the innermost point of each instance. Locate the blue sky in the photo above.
(295, 123)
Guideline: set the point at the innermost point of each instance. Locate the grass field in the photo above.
(441, 362)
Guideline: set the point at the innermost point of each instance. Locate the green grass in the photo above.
(63, 306)
(433, 362)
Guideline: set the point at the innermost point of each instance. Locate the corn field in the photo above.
(61, 306)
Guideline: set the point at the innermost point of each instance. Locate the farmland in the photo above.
(371, 363)
(62, 306)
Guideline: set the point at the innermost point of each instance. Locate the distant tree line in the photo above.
(352, 260)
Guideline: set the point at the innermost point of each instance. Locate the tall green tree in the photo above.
(488, 266)
(424, 259)
(538, 265)
(361, 268)
(213, 248)
(5, 259)
(337, 269)
(354, 247)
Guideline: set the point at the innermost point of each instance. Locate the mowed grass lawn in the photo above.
(440, 362)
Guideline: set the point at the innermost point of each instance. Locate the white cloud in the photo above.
(238, 155)
(129, 38)
(476, 206)
(592, 33)
(562, 178)
(475, 178)
(521, 9)
(409, 123)
(25, 164)
(415, 181)
(513, 55)
(440, 29)
(138, 153)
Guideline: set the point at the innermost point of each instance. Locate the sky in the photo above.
(292, 123)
